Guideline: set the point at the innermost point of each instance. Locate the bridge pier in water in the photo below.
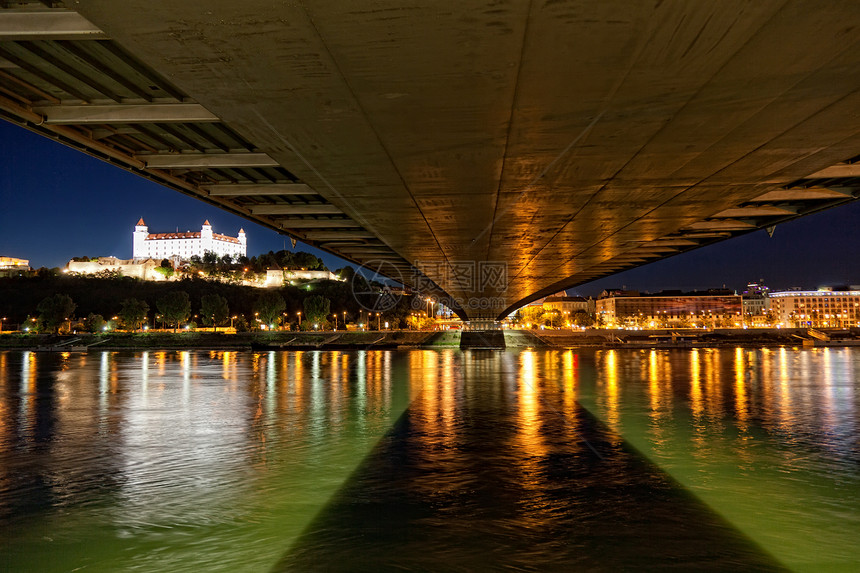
(482, 334)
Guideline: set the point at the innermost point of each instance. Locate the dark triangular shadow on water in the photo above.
(491, 500)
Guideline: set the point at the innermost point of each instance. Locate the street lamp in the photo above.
(378, 325)
(299, 324)
(335, 320)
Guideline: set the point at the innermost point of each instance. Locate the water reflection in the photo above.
(494, 466)
(767, 437)
(221, 457)
(547, 460)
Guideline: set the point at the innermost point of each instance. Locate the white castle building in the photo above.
(185, 245)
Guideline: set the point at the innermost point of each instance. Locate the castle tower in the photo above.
(243, 241)
(206, 242)
(138, 251)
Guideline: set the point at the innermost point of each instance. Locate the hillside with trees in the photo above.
(54, 299)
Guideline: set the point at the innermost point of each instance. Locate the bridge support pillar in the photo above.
(482, 334)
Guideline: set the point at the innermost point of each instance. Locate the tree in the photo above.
(269, 306)
(419, 321)
(550, 317)
(31, 324)
(210, 258)
(581, 318)
(166, 272)
(317, 308)
(55, 310)
(241, 324)
(175, 307)
(95, 322)
(346, 273)
(133, 312)
(530, 314)
(307, 261)
(214, 309)
(770, 318)
(227, 259)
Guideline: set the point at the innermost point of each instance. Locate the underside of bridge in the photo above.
(488, 152)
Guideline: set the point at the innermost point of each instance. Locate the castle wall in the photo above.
(127, 268)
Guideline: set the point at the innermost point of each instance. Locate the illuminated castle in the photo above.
(185, 245)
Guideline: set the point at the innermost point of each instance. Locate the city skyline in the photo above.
(94, 205)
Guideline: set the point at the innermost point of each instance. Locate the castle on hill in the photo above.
(148, 245)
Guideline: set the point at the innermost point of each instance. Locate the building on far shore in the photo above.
(756, 302)
(183, 246)
(569, 304)
(836, 307)
(669, 309)
(11, 267)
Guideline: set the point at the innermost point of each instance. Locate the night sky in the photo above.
(58, 203)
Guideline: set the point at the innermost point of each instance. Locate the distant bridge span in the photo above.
(489, 152)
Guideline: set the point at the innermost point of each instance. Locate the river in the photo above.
(430, 460)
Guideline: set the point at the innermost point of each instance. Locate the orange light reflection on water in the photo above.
(613, 392)
(741, 405)
(5, 423)
(529, 438)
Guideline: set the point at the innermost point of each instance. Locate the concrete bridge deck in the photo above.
(486, 152)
